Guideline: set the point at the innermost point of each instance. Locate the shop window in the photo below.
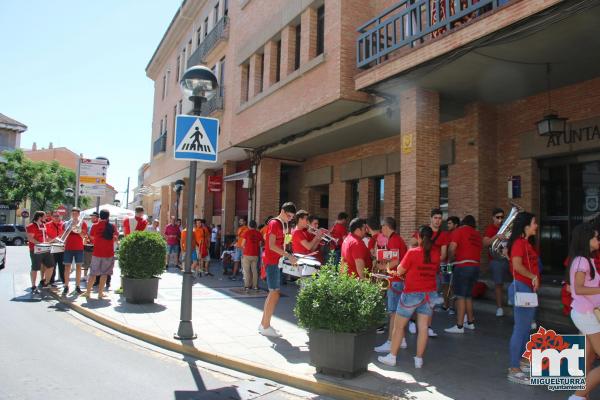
(377, 207)
(354, 196)
(444, 190)
(324, 201)
(320, 30)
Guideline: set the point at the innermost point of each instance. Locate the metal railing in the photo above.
(214, 104)
(411, 22)
(219, 31)
(160, 145)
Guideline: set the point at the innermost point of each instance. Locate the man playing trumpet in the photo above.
(76, 231)
(304, 240)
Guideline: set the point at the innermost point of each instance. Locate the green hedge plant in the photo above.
(339, 303)
(142, 255)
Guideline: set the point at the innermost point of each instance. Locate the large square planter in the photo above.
(140, 291)
(340, 354)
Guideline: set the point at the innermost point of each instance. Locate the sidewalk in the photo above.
(469, 366)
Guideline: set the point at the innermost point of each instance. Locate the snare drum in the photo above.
(42, 248)
(306, 266)
(57, 248)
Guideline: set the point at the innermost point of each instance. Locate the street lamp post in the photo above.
(178, 187)
(198, 84)
(98, 197)
(117, 203)
(69, 192)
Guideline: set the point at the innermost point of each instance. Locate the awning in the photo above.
(238, 176)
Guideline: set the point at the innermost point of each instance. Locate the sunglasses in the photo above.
(499, 216)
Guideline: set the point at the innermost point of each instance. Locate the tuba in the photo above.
(498, 246)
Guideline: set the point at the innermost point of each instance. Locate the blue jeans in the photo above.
(393, 296)
(522, 328)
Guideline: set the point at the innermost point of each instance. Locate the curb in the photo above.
(303, 382)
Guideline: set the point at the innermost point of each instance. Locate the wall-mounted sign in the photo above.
(514, 187)
(215, 183)
(407, 143)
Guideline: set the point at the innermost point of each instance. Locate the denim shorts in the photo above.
(237, 255)
(172, 248)
(419, 302)
(393, 296)
(73, 256)
(499, 269)
(464, 280)
(273, 276)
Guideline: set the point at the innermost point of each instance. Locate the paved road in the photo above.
(49, 352)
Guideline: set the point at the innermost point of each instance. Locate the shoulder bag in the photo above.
(525, 299)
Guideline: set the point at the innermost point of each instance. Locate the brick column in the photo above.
(270, 64)
(228, 199)
(419, 135)
(339, 196)
(308, 35)
(256, 67)
(391, 196)
(366, 198)
(288, 50)
(267, 188)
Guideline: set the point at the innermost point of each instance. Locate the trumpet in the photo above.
(325, 235)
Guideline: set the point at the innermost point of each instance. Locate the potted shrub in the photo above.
(142, 260)
(341, 314)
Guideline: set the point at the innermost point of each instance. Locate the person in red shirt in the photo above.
(277, 230)
(304, 242)
(453, 222)
(338, 232)
(465, 253)
(204, 256)
(375, 236)
(523, 262)
(356, 258)
(251, 241)
(103, 257)
(74, 249)
(313, 222)
(497, 265)
(36, 234)
(395, 243)
(138, 223)
(54, 230)
(420, 266)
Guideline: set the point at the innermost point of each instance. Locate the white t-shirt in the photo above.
(213, 234)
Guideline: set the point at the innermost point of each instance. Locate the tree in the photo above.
(41, 182)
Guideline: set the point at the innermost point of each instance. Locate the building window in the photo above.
(216, 15)
(189, 48)
(164, 86)
(245, 82)
(320, 30)
(222, 76)
(444, 190)
(225, 7)
(278, 62)
(297, 49)
(183, 61)
(379, 185)
(198, 37)
(165, 125)
(180, 106)
(354, 196)
(174, 119)
(205, 26)
(161, 127)
(261, 65)
(178, 68)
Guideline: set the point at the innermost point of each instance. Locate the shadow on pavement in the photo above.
(94, 303)
(129, 308)
(27, 298)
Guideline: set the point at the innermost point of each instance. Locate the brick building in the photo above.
(384, 108)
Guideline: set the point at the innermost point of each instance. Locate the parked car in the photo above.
(13, 234)
(2, 255)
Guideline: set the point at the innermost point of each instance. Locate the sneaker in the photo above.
(575, 397)
(255, 289)
(455, 329)
(403, 345)
(499, 312)
(525, 367)
(470, 326)
(451, 311)
(35, 290)
(412, 327)
(418, 362)
(518, 377)
(65, 291)
(381, 330)
(53, 285)
(270, 332)
(465, 319)
(78, 290)
(431, 333)
(384, 348)
(209, 274)
(389, 360)
(533, 326)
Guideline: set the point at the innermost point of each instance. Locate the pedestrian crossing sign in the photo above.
(196, 138)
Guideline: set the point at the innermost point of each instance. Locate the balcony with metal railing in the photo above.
(219, 32)
(160, 145)
(214, 104)
(411, 23)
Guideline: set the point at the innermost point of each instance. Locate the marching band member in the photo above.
(420, 265)
(313, 222)
(338, 232)
(497, 265)
(452, 223)
(304, 242)
(74, 249)
(355, 255)
(36, 234)
(136, 223)
(440, 241)
(394, 243)
(105, 235)
(54, 230)
(465, 252)
(277, 228)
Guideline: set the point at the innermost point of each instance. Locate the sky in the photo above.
(73, 71)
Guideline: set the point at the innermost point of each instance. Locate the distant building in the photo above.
(10, 139)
